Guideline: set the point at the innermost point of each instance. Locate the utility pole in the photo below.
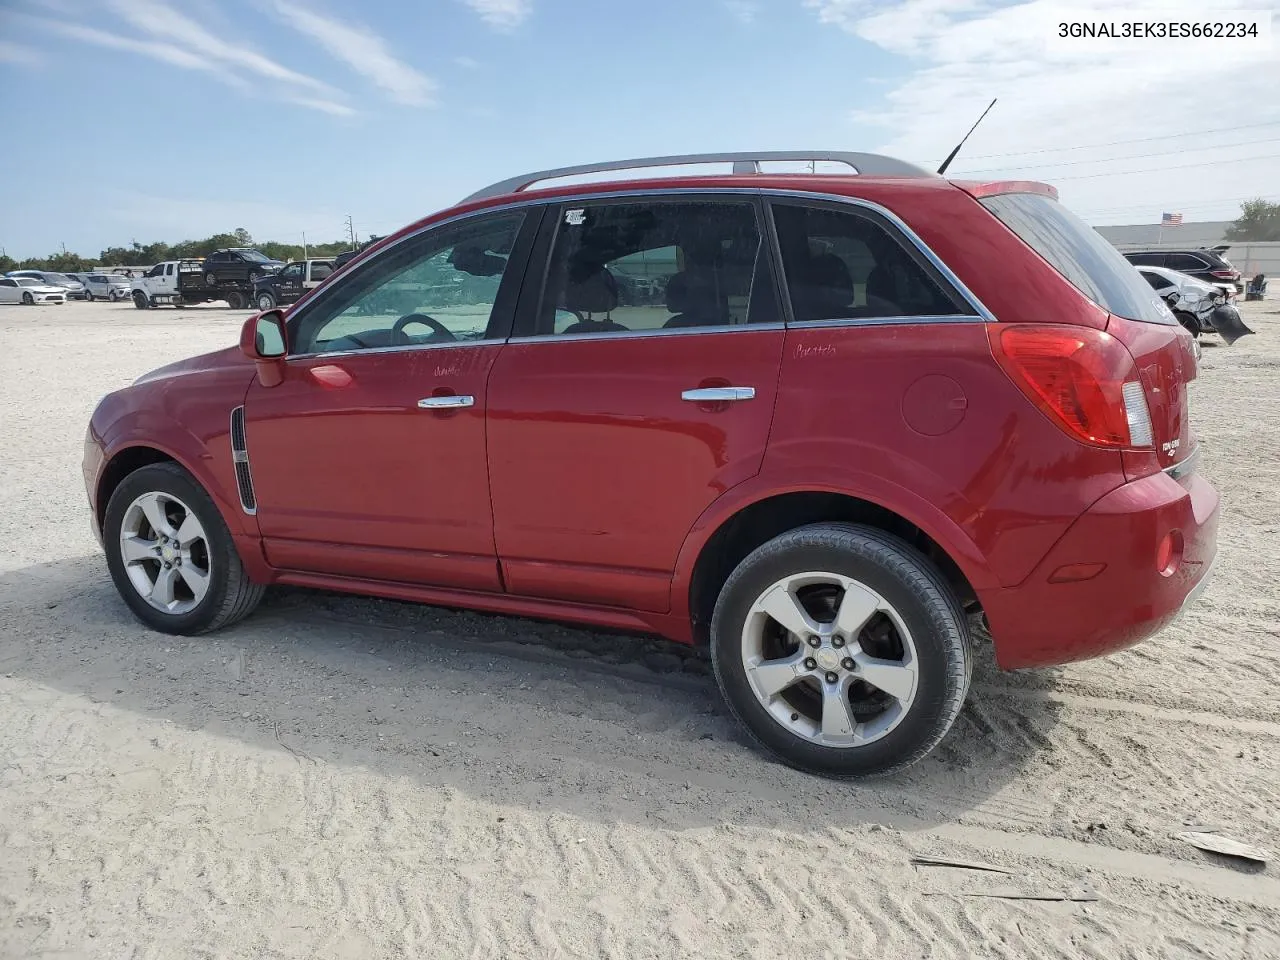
(304, 244)
(351, 230)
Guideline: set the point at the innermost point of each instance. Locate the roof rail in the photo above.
(871, 164)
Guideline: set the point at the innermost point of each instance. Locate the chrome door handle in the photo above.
(445, 403)
(715, 394)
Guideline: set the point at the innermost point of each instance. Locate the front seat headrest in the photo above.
(590, 288)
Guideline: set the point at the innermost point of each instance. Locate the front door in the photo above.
(368, 460)
(639, 388)
(289, 283)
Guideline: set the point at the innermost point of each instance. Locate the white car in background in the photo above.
(74, 288)
(108, 286)
(1189, 291)
(29, 291)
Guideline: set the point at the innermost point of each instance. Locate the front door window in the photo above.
(439, 288)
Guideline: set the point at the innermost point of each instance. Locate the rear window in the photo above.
(1080, 254)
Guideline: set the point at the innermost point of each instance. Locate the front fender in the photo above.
(188, 418)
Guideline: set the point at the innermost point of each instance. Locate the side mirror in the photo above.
(263, 339)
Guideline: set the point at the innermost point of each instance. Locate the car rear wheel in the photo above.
(171, 556)
(842, 650)
(1189, 321)
(266, 301)
(28, 299)
(236, 300)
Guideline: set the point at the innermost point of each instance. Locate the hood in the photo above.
(218, 360)
(43, 288)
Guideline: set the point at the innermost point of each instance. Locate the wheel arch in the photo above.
(124, 462)
(725, 541)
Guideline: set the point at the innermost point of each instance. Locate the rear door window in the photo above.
(661, 264)
(1080, 254)
(1185, 262)
(1146, 259)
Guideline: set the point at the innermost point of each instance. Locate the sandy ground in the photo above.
(339, 777)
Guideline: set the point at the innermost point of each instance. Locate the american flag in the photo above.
(1170, 219)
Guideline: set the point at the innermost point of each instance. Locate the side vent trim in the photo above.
(240, 459)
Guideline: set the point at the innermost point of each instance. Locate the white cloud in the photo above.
(744, 11)
(165, 53)
(362, 50)
(15, 53)
(1057, 97)
(503, 14)
(166, 23)
(180, 42)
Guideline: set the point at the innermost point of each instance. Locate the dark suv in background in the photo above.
(1211, 266)
(238, 264)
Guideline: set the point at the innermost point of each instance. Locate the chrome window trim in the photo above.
(886, 321)
(982, 313)
(394, 348)
(637, 334)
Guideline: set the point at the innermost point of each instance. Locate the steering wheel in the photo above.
(438, 328)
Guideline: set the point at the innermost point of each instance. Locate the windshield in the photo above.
(1080, 254)
(61, 278)
(255, 256)
(28, 282)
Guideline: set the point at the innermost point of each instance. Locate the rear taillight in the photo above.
(1082, 379)
(1224, 274)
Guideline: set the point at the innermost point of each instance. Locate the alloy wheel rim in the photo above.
(165, 552)
(830, 660)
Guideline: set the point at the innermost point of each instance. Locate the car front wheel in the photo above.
(171, 556)
(266, 301)
(842, 650)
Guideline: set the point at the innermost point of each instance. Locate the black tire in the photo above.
(236, 300)
(919, 594)
(266, 301)
(113, 296)
(140, 300)
(1190, 322)
(231, 595)
(28, 299)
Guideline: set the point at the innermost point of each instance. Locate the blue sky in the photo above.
(153, 119)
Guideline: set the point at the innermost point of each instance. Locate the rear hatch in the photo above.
(1161, 349)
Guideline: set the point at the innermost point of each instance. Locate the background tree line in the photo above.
(1258, 221)
(140, 254)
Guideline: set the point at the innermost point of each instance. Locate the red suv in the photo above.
(816, 422)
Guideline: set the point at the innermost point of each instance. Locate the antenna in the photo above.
(952, 155)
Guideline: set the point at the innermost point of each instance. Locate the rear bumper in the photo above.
(1050, 619)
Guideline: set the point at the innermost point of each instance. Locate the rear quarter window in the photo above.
(1080, 254)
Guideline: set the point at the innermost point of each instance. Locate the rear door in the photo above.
(639, 388)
